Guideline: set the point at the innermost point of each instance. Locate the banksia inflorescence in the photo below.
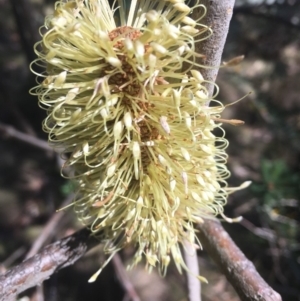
(128, 108)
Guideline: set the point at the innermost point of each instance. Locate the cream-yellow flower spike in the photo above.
(127, 106)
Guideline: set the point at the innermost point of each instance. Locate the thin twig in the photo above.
(193, 283)
(12, 132)
(48, 230)
(264, 233)
(124, 279)
(13, 257)
(239, 271)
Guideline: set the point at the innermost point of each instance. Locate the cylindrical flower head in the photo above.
(128, 108)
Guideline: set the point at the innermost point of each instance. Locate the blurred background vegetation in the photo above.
(266, 150)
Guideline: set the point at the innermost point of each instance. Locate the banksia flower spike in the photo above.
(128, 108)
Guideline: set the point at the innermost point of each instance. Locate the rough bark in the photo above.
(239, 271)
(218, 16)
(40, 267)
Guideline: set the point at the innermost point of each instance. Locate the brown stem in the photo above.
(239, 271)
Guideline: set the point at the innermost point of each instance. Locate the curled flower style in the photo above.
(128, 108)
